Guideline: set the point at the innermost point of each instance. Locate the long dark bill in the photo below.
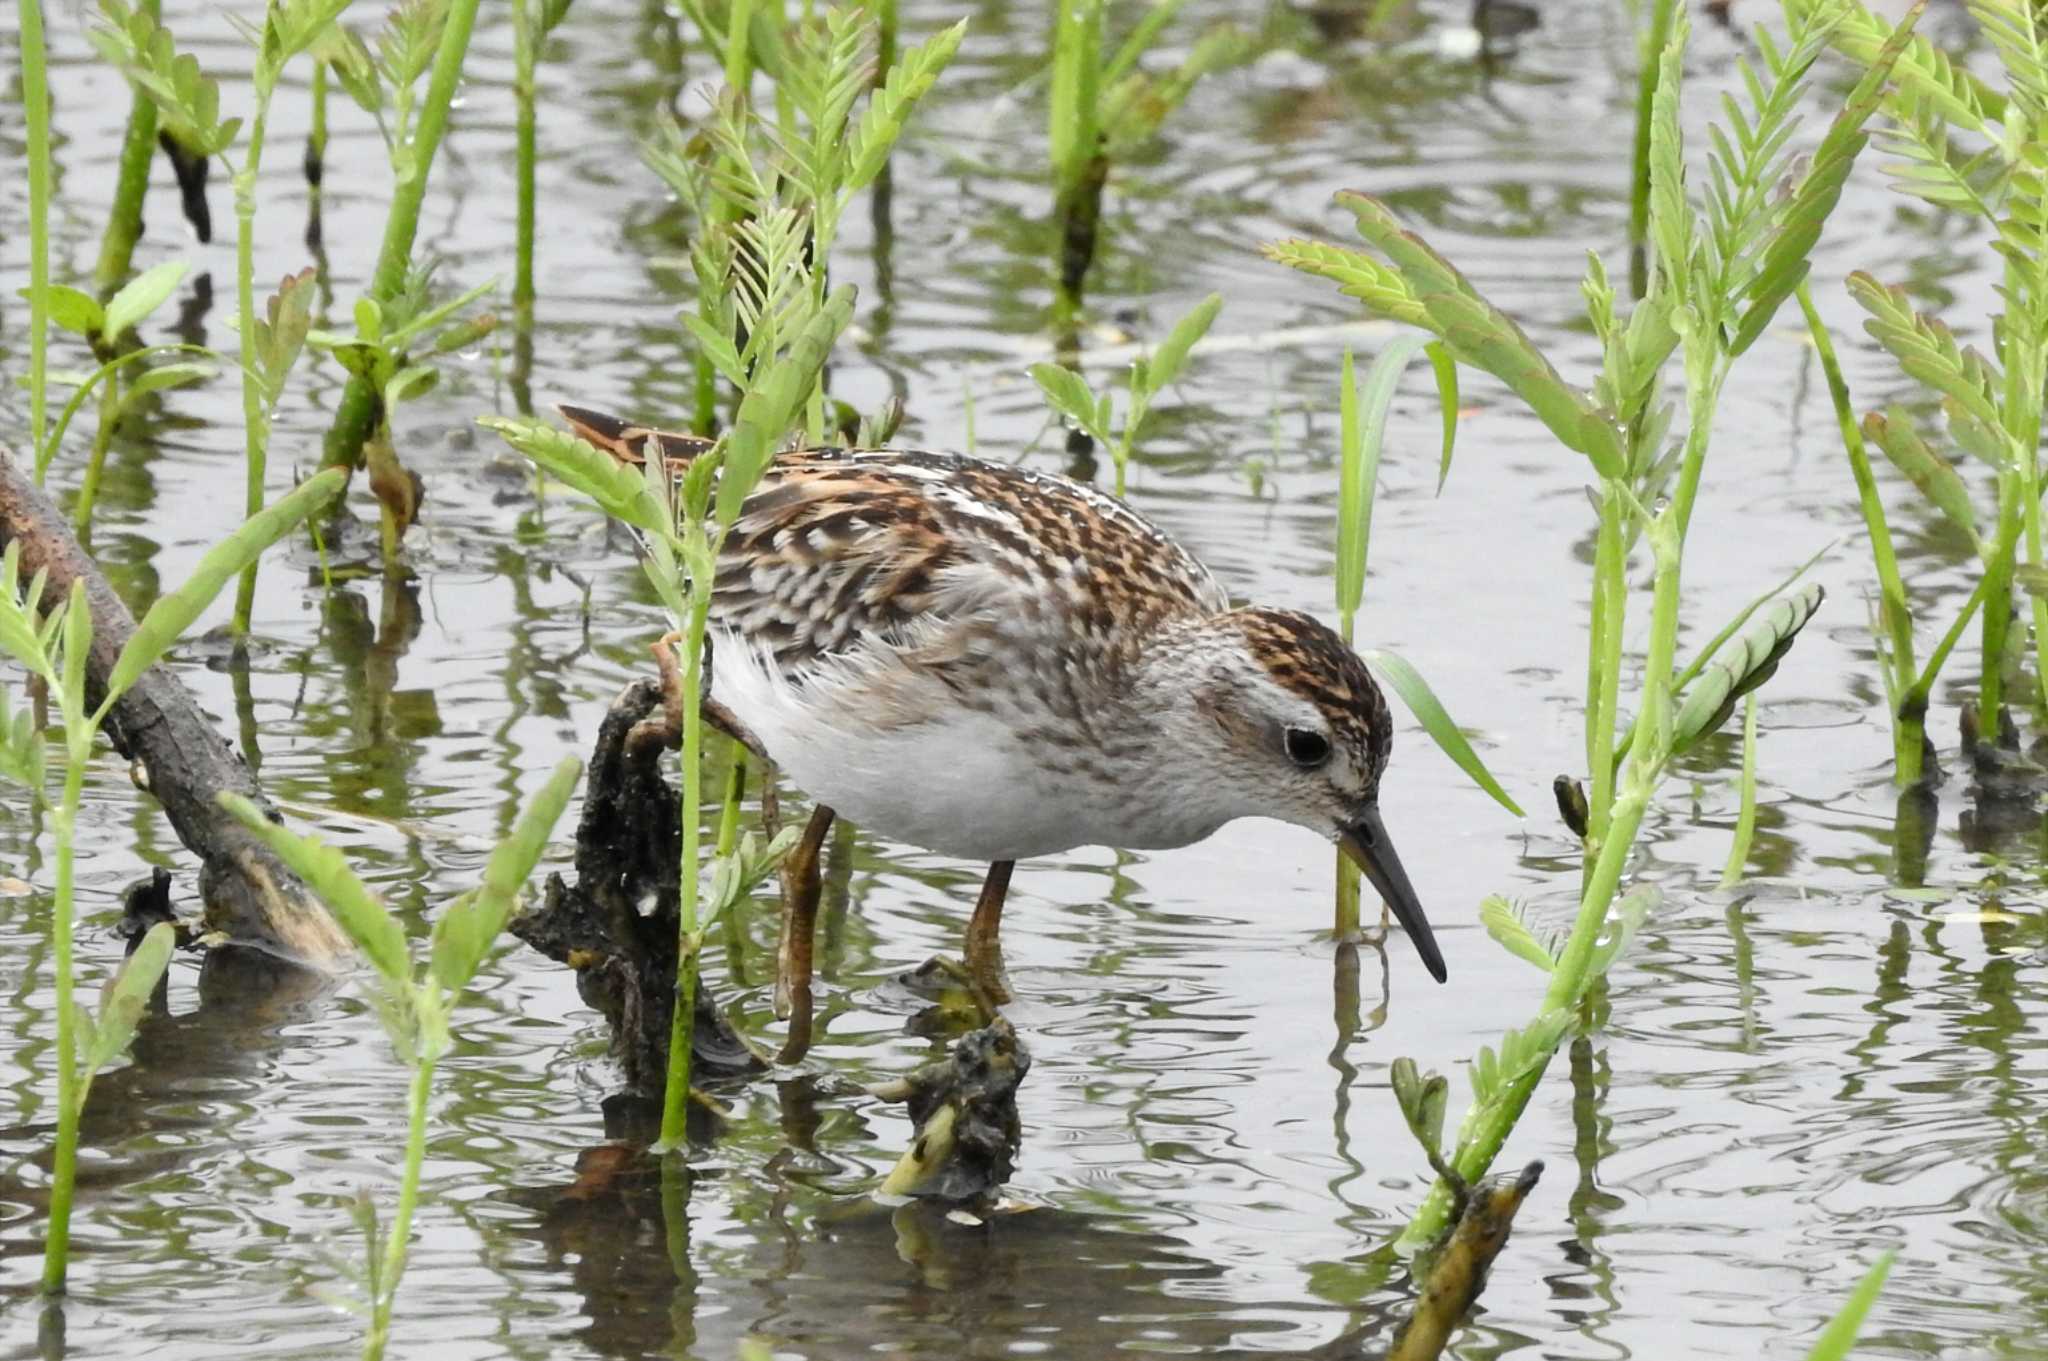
(1366, 842)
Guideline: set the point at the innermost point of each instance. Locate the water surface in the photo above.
(1793, 1076)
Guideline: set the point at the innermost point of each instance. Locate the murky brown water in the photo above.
(1794, 1077)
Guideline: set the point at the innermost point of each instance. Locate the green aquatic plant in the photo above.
(532, 22)
(1962, 146)
(1103, 107)
(188, 103)
(416, 1002)
(103, 329)
(420, 39)
(390, 349)
(1362, 421)
(35, 94)
(52, 641)
(1719, 271)
(1150, 375)
(131, 182)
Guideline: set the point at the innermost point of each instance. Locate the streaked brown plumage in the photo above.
(997, 663)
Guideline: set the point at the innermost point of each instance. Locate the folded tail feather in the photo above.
(628, 442)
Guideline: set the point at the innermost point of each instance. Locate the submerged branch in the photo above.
(1459, 1271)
(249, 897)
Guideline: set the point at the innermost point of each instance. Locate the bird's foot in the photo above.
(667, 727)
(962, 997)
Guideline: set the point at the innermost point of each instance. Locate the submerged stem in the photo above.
(1745, 821)
(102, 439)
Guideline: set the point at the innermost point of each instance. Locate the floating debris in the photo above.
(965, 1109)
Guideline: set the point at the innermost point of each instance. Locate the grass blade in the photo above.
(125, 999)
(1364, 421)
(168, 619)
(1840, 1335)
(1414, 691)
(1445, 366)
(466, 927)
(356, 910)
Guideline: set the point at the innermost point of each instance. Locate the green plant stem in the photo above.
(398, 1242)
(524, 95)
(1745, 820)
(1478, 1146)
(1997, 622)
(1915, 701)
(255, 426)
(138, 153)
(1603, 662)
(2026, 356)
(1908, 730)
(316, 135)
(102, 439)
(64, 1160)
(728, 837)
(355, 416)
(675, 1096)
(35, 98)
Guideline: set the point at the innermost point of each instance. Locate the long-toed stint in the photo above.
(994, 664)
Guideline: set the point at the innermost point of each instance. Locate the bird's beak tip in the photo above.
(1365, 840)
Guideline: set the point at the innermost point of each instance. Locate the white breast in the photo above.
(957, 780)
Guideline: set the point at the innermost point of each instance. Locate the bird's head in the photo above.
(1297, 726)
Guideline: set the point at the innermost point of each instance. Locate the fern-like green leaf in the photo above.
(1964, 100)
(187, 100)
(882, 122)
(1480, 334)
(1796, 223)
(1504, 922)
(621, 492)
(1357, 274)
(1930, 472)
(1927, 350)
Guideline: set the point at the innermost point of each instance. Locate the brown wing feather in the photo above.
(924, 551)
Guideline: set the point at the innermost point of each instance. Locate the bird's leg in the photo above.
(984, 928)
(800, 885)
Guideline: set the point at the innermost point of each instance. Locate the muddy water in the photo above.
(1794, 1075)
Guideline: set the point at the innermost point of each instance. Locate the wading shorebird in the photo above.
(993, 664)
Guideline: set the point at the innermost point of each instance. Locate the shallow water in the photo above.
(1794, 1076)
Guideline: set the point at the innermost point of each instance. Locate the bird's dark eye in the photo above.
(1306, 748)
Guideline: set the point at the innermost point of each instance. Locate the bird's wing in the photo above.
(923, 552)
